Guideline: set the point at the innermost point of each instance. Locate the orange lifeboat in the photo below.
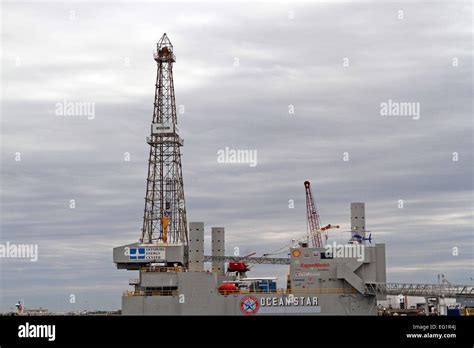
(227, 288)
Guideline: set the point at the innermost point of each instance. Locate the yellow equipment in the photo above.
(165, 221)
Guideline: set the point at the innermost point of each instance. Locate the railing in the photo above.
(253, 260)
(163, 269)
(293, 291)
(168, 57)
(246, 292)
(167, 140)
(151, 293)
(422, 290)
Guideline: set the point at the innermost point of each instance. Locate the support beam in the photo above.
(421, 290)
(252, 260)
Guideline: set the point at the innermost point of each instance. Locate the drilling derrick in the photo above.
(164, 218)
(314, 224)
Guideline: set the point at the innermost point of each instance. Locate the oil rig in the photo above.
(170, 258)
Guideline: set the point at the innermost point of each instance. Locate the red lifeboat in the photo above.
(237, 267)
(227, 288)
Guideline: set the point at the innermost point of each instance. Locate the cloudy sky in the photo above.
(241, 68)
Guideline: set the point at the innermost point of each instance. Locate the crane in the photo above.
(314, 224)
(328, 227)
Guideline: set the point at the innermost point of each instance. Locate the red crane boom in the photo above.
(314, 224)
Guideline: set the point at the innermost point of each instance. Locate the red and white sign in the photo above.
(249, 305)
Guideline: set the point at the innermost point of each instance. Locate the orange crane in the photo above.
(328, 227)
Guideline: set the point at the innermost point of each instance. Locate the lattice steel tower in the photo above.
(314, 223)
(164, 219)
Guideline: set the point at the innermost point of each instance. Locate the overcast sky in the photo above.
(287, 55)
